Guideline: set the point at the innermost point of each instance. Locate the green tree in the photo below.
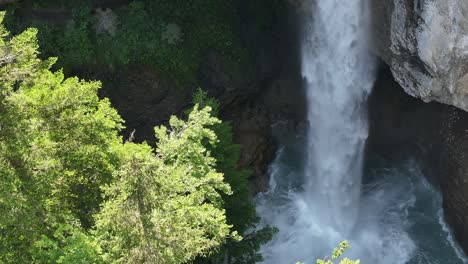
(337, 253)
(67, 245)
(56, 147)
(60, 152)
(240, 208)
(167, 208)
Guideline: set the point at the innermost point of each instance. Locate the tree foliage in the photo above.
(68, 244)
(140, 36)
(59, 149)
(56, 147)
(73, 192)
(337, 254)
(240, 208)
(167, 208)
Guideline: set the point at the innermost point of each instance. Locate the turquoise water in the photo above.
(406, 198)
(400, 216)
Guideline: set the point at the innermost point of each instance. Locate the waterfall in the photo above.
(339, 74)
(316, 197)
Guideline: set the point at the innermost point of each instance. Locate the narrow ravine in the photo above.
(317, 197)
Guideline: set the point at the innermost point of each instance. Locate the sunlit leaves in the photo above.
(337, 254)
(166, 207)
(72, 192)
(57, 147)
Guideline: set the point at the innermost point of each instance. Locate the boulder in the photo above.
(425, 43)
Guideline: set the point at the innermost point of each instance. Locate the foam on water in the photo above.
(399, 220)
(446, 229)
(339, 75)
(319, 203)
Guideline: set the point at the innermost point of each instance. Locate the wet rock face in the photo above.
(144, 99)
(425, 45)
(425, 42)
(434, 134)
(454, 170)
(262, 97)
(265, 100)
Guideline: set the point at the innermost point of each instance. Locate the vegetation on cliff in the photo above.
(337, 256)
(65, 169)
(170, 36)
(72, 191)
(240, 209)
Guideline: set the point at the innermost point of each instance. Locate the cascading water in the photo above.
(338, 71)
(317, 201)
(339, 75)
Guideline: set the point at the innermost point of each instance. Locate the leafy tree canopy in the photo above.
(240, 208)
(73, 192)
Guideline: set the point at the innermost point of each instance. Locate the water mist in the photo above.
(316, 198)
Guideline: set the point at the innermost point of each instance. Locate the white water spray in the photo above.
(317, 207)
(339, 74)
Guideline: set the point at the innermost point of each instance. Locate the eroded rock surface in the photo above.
(425, 42)
(434, 134)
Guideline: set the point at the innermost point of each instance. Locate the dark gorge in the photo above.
(349, 116)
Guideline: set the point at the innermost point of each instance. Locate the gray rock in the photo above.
(425, 42)
(434, 134)
(105, 21)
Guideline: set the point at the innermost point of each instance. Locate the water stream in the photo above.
(317, 197)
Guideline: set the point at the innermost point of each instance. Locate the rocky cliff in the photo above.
(425, 42)
(264, 94)
(434, 134)
(425, 45)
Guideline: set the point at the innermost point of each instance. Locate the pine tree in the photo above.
(167, 208)
(56, 148)
(72, 192)
(240, 207)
